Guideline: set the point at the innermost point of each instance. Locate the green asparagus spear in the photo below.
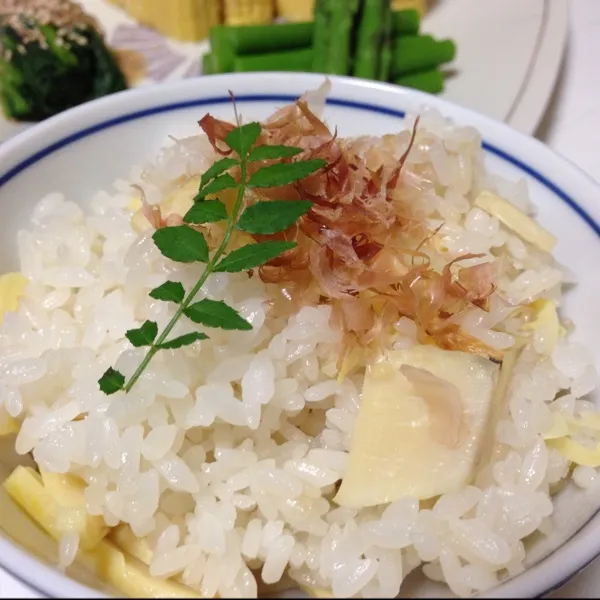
(207, 64)
(431, 81)
(387, 56)
(405, 22)
(288, 60)
(321, 36)
(228, 42)
(302, 59)
(385, 52)
(420, 53)
(368, 45)
(342, 14)
(222, 50)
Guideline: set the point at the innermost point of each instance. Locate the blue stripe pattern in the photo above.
(374, 108)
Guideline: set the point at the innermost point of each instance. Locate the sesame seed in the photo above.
(25, 17)
(77, 38)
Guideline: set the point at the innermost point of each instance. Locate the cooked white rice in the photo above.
(224, 455)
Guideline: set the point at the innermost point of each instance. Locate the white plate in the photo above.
(509, 54)
(87, 148)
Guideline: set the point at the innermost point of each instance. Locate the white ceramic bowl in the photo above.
(87, 148)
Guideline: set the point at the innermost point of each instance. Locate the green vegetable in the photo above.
(320, 36)
(288, 60)
(184, 244)
(410, 61)
(370, 34)
(388, 63)
(333, 35)
(385, 60)
(420, 53)
(405, 22)
(46, 76)
(228, 42)
(326, 45)
(208, 67)
(431, 81)
(340, 36)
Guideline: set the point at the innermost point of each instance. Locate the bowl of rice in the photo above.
(274, 335)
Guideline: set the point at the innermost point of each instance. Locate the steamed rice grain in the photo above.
(225, 457)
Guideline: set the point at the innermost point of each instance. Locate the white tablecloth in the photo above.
(572, 128)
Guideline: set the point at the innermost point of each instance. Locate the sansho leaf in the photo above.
(185, 244)
(285, 173)
(272, 216)
(209, 211)
(183, 340)
(253, 255)
(242, 138)
(181, 243)
(144, 336)
(216, 169)
(273, 152)
(169, 291)
(220, 183)
(112, 381)
(215, 313)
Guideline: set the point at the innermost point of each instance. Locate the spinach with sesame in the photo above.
(52, 57)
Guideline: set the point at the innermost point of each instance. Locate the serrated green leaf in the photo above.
(272, 216)
(144, 336)
(272, 152)
(209, 211)
(220, 183)
(183, 340)
(181, 243)
(285, 173)
(215, 313)
(112, 381)
(216, 169)
(241, 139)
(169, 291)
(253, 255)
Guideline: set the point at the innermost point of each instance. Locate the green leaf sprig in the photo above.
(183, 243)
